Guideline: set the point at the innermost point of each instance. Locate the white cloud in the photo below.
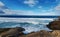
(26, 12)
(1, 4)
(57, 7)
(17, 12)
(31, 3)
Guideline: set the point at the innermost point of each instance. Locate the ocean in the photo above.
(30, 24)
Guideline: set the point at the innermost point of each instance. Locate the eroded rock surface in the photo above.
(54, 25)
(41, 33)
(13, 32)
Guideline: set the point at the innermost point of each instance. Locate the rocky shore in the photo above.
(18, 31)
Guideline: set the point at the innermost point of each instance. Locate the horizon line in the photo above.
(28, 16)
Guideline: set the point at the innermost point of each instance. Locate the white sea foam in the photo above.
(30, 24)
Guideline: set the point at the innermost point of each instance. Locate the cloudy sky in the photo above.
(30, 7)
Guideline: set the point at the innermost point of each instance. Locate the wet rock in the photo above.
(13, 32)
(54, 25)
(3, 30)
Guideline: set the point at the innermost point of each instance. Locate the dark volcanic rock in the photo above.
(54, 25)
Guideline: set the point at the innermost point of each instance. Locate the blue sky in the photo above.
(23, 4)
(32, 7)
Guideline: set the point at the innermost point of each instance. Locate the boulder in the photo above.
(13, 32)
(54, 25)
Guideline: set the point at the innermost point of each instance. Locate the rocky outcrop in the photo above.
(17, 32)
(41, 33)
(13, 32)
(56, 33)
(4, 29)
(54, 25)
